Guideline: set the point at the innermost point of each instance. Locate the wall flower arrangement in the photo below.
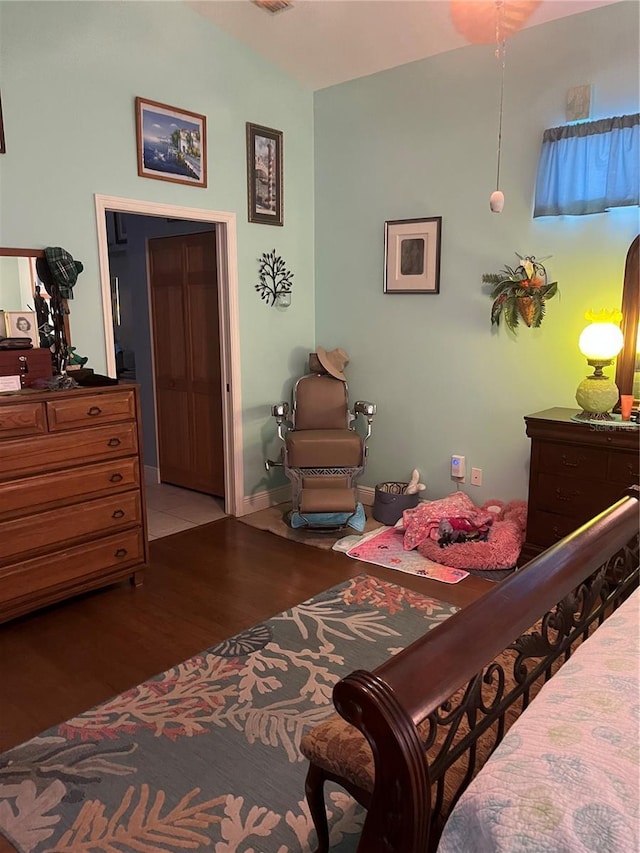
(520, 293)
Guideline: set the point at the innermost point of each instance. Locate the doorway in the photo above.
(183, 286)
(225, 375)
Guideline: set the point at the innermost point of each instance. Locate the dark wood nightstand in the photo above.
(576, 471)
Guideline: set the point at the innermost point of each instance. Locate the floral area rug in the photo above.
(386, 549)
(205, 756)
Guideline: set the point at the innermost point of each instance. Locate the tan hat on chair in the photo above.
(334, 361)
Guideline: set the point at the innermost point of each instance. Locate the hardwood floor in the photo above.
(202, 585)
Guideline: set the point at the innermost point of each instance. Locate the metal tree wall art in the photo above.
(275, 278)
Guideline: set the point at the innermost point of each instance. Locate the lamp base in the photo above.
(594, 416)
(596, 396)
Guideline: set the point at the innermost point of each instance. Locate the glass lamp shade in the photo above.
(601, 341)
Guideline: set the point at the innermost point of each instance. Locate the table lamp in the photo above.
(600, 342)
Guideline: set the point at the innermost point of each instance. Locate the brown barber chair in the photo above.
(323, 454)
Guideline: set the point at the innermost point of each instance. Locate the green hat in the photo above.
(64, 270)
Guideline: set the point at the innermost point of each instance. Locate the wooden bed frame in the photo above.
(433, 713)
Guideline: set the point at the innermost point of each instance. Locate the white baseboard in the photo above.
(264, 499)
(367, 494)
(151, 475)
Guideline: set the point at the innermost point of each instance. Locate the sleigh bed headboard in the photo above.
(451, 695)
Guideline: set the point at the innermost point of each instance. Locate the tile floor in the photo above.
(171, 509)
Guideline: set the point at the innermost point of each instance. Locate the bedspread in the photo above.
(566, 776)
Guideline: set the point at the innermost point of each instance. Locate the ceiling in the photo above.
(324, 42)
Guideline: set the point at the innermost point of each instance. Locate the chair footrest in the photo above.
(327, 500)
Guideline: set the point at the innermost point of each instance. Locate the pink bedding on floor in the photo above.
(506, 532)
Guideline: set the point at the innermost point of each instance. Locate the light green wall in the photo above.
(420, 140)
(70, 73)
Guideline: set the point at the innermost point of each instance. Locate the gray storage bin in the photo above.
(391, 501)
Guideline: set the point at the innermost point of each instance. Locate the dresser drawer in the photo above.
(22, 419)
(567, 460)
(31, 494)
(623, 468)
(80, 564)
(53, 527)
(71, 412)
(545, 529)
(574, 498)
(62, 450)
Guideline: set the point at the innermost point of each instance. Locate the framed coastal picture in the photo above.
(412, 255)
(172, 143)
(264, 174)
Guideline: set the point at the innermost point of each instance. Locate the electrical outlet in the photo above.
(476, 476)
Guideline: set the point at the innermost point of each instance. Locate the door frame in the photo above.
(227, 261)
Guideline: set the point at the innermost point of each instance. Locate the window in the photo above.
(589, 167)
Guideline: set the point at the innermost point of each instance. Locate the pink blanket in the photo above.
(422, 522)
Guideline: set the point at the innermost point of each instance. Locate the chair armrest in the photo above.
(362, 407)
(367, 410)
(280, 412)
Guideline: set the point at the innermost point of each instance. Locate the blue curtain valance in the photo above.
(589, 167)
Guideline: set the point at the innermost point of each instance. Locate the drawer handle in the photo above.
(556, 533)
(118, 513)
(576, 464)
(115, 478)
(114, 442)
(94, 410)
(569, 496)
(121, 552)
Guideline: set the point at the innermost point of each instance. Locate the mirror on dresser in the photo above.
(628, 362)
(18, 278)
(22, 290)
(28, 312)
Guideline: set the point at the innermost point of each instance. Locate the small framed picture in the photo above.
(172, 143)
(20, 324)
(264, 174)
(412, 255)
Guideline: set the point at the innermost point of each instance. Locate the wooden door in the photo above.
(188, 374)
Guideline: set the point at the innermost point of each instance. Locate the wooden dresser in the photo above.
(576, 471)
(72, 510)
